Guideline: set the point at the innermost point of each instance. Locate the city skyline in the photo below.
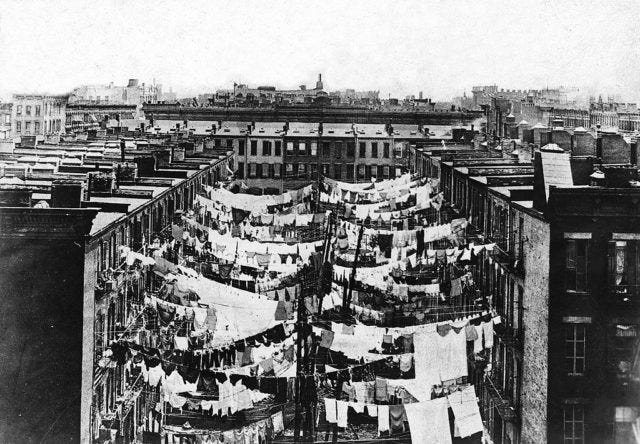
(400, 49)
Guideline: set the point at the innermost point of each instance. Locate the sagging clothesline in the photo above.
(253, 203)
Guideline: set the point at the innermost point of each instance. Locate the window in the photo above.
(573, 423)
(19, 110)
(36, 127)
(271, 171)
(373, 171)
(337, 171)
(363, 150)
(576, 264)
(351, 150)
(28, 110)
(27, 127)
(289, 170)
(229, 143)
(240, 171)
(241, 147)
(398, 172)
(574, 348)
(624, 268)
(277, 169)
(266, 148)
(338, 150)
(37, 110)
(361, 169)
(385, 171)
(397, 151)
(290, 148)
(325, 169)
(252, 170)
(326, 149)
(302, 149)
(216, 142)
(278, 148)
(385, 150)
(254, 148)
(374, 149)
(314, 148)
(18, 127)
(349, 172)
(259, 170)
(380, 172)
(624, 424)
(302, 169)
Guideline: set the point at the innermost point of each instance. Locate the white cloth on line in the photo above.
(342, 412)
(330, 408)
(466, 411)
(429, 421)
(383, 418)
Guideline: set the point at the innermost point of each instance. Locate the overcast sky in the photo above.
(398, 47)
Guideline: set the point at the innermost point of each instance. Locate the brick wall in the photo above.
(536, 306)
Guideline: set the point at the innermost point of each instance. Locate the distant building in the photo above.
(243, 95)
(38, 114)
(5, 120)
(132, 94)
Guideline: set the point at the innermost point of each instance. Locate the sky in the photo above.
(442, 48)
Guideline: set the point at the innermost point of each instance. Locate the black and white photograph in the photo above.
(319, 222)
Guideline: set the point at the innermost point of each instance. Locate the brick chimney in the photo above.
(66, 193)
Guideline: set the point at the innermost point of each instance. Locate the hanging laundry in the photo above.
(477, 343)
(326, 338)
(429, 421)
(383, 419)
(487, 329)
(342, 413)
(330, 407)
(396, 418)
(381, 390)
(466, 412)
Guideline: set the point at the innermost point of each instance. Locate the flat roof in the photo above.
(132, 202)
(103, 220)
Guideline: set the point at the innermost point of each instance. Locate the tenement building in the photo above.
(272, 157)
(562, 278)
(79, 232)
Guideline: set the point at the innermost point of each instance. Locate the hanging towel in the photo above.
(357, 407)
(372, 410)
(342, 413)
(383, 419)
(487, 329)
(330, 408)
